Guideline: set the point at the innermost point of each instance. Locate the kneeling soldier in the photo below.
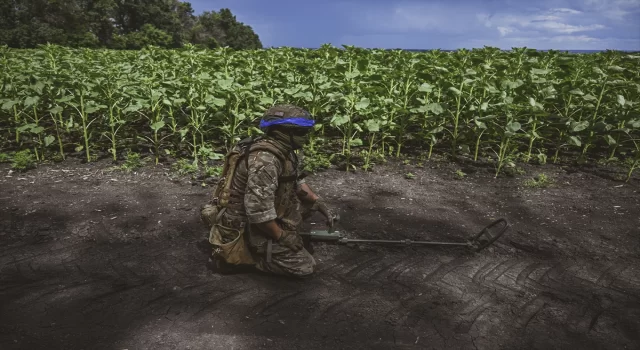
(261, 200)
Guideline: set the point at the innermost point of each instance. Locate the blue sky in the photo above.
(452, 24)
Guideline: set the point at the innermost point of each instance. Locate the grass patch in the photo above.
(23, 160)
(539, 181)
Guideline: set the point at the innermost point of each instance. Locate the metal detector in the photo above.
(476, 243)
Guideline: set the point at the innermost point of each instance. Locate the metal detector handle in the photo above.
(475, 243)
(336, 218)
(322, 236)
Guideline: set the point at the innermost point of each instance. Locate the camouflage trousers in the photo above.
(284, 261)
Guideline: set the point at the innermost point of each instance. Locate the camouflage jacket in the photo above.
(264, 188)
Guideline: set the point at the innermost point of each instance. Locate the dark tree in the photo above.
(214, 29)
(123, 24)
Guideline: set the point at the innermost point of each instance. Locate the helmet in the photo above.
(291, 117)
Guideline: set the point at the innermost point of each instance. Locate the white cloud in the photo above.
(555, 20)
(600, 4)
(616, 14)
(573, 38)
(506, 30)
(551, 24)
(546, 18)
(420, 18)
(455, 19)
(617, 10)
(565, 28)
(565, 10)
(484, 19)
(558, 42)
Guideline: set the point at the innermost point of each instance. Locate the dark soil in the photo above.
(94, 259)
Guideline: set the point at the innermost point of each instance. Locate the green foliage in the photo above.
(632, 164)
(23, 160)
(184, 167)
(148, 35)
(541, 157)
(314, 160)
(502, 106)
(119, 25)
(539, 181)
(459, 174)
(220, 29)
(5, 158)
(133, 162)
(513, 170)
(410, 176)
(214, 171)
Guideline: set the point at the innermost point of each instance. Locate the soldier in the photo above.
(261, 199)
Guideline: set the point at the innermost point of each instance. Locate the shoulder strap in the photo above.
(268, 146)
(222, 192)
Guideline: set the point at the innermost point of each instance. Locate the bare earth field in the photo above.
(93, 259)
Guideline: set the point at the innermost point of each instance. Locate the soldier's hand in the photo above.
(322, 207)
(291, 240)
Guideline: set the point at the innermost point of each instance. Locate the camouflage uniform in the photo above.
(259, 194)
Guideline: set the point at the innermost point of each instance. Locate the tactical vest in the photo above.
(228, 197)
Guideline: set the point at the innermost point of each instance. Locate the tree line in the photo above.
(119, 24)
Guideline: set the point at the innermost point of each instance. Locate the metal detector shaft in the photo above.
(326, 236)
(407, 242)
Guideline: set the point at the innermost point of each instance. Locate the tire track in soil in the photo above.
(48, 265)
(613, 279)
(352, 273)
(50, 291)
(358, 285)
(565, 291)
(479, 275)
(375, 274)
(568, 287)
(393, 269)
(210, 304)
(486, 276)
(404, 304)
(494, 272)
(398, 272)
(124, 275)
(517, 272)
(443, 269)
(611, 274)
(36, 252)
(471, 313)
(583, 318)
(269, 304)
(530, 310)
(349, 264)
(350, 277)
(75, 273)
(337, 262)
(494, 275)
(324, 312)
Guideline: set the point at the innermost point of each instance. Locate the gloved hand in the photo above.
(322, 207)
(291, 240)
